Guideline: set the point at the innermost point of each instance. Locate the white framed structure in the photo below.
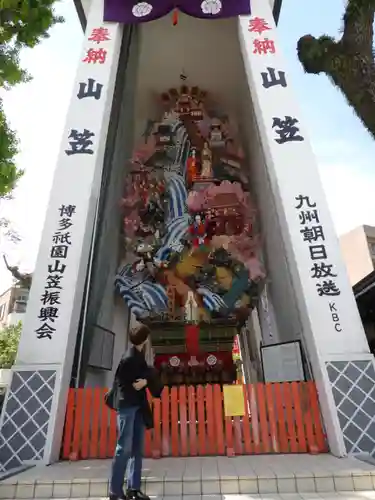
(309, 287)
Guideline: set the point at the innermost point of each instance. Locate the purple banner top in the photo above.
(133, 11)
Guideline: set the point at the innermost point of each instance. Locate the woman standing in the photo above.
(133, 416)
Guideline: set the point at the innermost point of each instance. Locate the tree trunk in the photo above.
(355, 76)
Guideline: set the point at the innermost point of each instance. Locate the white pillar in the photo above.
(343, 367)
(33, 415)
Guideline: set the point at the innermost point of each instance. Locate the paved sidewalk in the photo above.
(270, 476)
(363, 495)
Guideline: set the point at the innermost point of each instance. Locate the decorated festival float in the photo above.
(193, 270)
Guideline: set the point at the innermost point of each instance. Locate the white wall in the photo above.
(14, 318)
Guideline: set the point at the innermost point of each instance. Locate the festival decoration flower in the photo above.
(212, 7)
(174, 361)
(142, 9)
(211, 360)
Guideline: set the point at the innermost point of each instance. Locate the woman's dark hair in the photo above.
(139, 334)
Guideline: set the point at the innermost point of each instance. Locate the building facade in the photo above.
(364, 293)
(13, 303)
(358, 250)
(283, 280)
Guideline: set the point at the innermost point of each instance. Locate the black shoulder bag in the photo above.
(154, 383)
(112, 397)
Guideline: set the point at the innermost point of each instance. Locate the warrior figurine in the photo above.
(198, 232)
(206, 156)
(192, 167)
(145, 253)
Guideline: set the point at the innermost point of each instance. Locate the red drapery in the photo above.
(192, 339)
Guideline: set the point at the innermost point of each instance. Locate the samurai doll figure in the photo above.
(198, 232)
(206, 160)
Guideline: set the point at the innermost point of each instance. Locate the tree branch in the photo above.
(315, 54)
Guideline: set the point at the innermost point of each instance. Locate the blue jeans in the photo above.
(129, 450)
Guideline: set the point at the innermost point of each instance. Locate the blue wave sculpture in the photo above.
(142, 295)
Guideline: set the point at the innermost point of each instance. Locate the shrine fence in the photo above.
(190, 421)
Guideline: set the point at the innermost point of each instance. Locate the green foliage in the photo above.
(9, 340)
(23, 23)
(9, 174)
(349, 61)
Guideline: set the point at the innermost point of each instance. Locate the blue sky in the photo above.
(37, 112)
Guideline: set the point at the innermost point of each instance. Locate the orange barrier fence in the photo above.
(190, 421)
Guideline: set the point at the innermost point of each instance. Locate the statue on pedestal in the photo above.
(23, 279)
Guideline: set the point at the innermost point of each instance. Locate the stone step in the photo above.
(14, 488)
